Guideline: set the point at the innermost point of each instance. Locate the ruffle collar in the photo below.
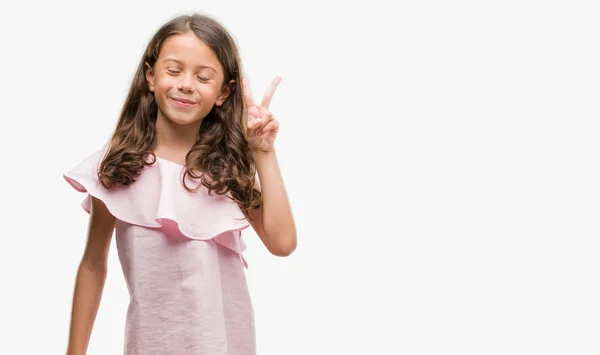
(158, 195)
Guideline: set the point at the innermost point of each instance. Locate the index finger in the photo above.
(270, 91)
(246, 91)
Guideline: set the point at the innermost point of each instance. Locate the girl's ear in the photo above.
(149, 76)
(225, 92)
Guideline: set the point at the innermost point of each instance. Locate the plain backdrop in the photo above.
(441, 159)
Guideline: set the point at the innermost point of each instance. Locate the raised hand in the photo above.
(262, 125)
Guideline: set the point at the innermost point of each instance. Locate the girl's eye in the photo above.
(173, 71)
(203, 79)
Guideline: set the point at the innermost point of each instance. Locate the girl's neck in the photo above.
(175, 140)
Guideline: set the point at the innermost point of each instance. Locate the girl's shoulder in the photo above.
(83, 177)
(88, 164)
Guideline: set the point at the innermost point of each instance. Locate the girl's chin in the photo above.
(182, 120)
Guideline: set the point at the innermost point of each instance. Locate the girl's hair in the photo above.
(221, 151)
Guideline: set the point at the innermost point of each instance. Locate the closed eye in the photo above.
(173, 71)
(203, 79)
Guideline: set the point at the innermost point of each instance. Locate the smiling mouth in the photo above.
(183, 102)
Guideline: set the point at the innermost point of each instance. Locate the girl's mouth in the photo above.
(183, 102)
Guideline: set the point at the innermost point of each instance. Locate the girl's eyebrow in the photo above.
(198, 66)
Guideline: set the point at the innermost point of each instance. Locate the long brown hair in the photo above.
(221, 151)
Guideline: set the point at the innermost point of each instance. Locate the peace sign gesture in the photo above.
(262, 126)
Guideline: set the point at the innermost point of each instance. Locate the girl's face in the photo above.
(186, 80)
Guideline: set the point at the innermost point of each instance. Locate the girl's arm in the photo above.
(91, 276)
(273, 221)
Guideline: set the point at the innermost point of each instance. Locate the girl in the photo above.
(177, 184)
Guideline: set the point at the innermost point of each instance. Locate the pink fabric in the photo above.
(181, 256)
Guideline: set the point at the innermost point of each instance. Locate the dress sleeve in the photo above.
(84, 178)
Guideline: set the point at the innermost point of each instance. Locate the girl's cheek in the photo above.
(207, 93)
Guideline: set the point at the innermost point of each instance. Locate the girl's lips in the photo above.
(183, 102)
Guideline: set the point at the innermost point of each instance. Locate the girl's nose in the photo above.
(186, 83)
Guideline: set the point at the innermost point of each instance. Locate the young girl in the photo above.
(177, 184)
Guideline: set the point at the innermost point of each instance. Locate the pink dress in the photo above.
(181, 256)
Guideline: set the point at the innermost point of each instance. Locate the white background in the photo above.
(441, 159)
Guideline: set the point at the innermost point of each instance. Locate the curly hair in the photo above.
(221, 150)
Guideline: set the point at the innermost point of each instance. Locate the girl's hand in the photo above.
(262, 126)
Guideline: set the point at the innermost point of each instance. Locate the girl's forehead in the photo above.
(187, 49)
